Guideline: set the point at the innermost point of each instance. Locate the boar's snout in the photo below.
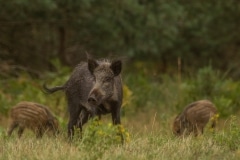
(92, 100)
(95, 97)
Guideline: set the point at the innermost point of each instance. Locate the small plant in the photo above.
(127, 96)
(98, 133)
(213, 121)
(231, 136)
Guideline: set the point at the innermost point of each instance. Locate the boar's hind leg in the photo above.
(11, 128)
(74, 112)
(116, 113)
(20, 131)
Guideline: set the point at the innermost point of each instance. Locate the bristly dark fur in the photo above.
(94, 88)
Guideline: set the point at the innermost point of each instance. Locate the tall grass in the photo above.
(151, 145)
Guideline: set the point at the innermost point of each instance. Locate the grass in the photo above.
(152, 142)
(150, 105)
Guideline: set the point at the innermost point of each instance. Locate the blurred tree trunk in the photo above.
(62, 41)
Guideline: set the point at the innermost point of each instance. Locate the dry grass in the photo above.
(150, 139)
(140, 147)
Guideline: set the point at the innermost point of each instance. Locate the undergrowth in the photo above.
(149, 106)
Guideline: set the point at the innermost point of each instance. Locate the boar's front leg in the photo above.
(116, 108)
(20, 131)
(83, 118)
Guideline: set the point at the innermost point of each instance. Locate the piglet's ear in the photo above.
(92, 64)
(177, 119)
(116, 67)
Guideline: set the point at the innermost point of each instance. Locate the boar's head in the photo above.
(104, 84)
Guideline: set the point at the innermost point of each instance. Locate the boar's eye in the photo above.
(93, 79)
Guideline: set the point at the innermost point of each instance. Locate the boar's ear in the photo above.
(92, 64)
(116, 67)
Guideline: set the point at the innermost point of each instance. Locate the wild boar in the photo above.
(194, 118)
(33, 116)
(93, 89)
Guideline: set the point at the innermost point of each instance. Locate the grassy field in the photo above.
(149, 107)
(146, 141)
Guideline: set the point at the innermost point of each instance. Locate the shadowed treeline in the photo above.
(199, 32)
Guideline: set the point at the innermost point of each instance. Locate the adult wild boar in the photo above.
(194, 118)
(33, 116)
(94, 88)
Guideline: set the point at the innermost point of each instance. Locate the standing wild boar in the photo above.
(194, 118)
(33, 116)
(94, 88)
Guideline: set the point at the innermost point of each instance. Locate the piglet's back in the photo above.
(28, 113)
(200, 112)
